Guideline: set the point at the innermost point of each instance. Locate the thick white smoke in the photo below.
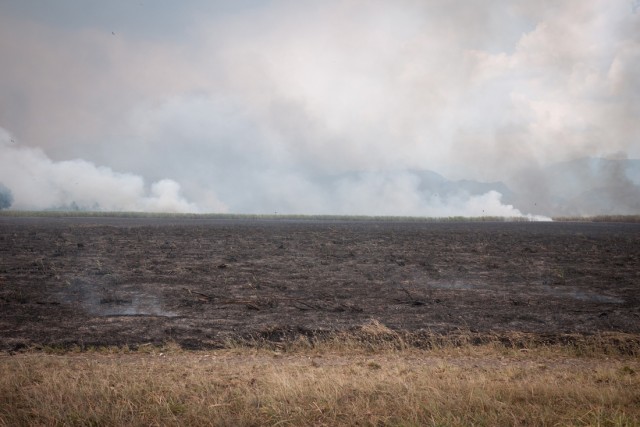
(328, 107)
(37, 183)
(399, 194)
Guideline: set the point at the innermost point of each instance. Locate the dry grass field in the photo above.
(369, 378)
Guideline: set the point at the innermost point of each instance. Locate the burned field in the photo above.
(203, 282)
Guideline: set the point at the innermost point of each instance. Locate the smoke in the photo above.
(587, 186)
(6, 197)
(261, 171)
(326, 108)
(101, 297)
(40, 183)
(406, 193)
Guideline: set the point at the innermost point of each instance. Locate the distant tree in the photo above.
(6, 198)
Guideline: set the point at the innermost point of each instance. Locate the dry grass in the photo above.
(351, 382)
(373, 337)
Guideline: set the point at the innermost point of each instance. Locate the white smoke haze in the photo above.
(77, 184)
(332, 107)
(40, 183)
(402, 196)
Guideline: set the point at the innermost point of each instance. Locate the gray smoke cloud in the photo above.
(331, 107)
(587, 186)
(41, 183)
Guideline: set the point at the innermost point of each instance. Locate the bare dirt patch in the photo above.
(199, 283)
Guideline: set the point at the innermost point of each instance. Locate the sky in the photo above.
(308, 107)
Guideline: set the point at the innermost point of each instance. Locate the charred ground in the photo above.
(117, 281)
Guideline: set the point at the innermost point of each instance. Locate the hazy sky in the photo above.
(308, 106)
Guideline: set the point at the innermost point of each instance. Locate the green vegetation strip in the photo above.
(96, 214)
(100, 214)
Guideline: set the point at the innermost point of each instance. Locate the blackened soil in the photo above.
(109, 281)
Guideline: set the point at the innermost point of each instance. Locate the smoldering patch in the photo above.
(102, 297)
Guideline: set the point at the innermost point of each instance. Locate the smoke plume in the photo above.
(40, 183)
(336, 107)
